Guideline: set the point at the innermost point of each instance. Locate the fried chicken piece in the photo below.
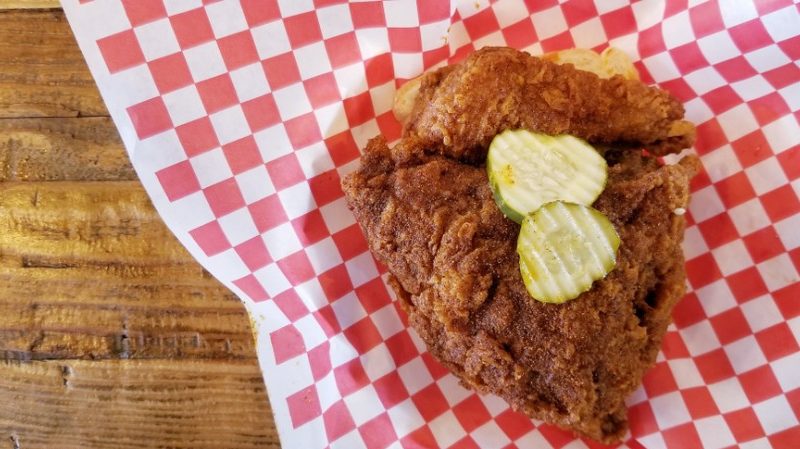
(428, 213)
(432, 220)
(460, 108)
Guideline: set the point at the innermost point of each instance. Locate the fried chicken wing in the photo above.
(428, 212)
(459, 109)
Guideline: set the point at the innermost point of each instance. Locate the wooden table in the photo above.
(111, 335)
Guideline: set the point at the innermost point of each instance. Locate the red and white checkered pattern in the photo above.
(242, 117)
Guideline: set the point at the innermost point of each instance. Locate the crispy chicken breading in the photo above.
(460, 108)
(427, 210)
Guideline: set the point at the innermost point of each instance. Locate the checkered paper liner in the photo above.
(242, 117)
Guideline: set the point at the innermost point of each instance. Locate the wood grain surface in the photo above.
(60, 149)
(43, 73)
(29, 4)
(111, 335)
(132, 404)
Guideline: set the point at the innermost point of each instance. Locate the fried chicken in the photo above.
(460, 108)
(427, 210)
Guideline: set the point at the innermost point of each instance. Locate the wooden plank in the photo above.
(88, 270)
(89, 276)
(78, 224)
(133, 405)
(48, 313)
(43, 72)
(29, 4)
(62, 149)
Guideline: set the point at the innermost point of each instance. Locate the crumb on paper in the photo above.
(255, 324)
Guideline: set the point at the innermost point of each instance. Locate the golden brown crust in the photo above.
(606, 64)
(452, 254)
(461, 108)
(427, 210)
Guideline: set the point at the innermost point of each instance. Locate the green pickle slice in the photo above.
(563, 248)
(527, 170)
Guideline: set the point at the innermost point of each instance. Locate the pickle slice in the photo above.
(564, 248)
(528, 169)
